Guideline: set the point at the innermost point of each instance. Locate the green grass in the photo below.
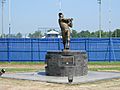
(42, 63)
(117, 64)
(21, 70)
(104, 63)
(22, 63)
(38, 63)
(105, 69)
(33, 70)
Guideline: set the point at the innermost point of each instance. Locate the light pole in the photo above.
(110, 21)
(9, 11)
(2, 33)
(99, 2)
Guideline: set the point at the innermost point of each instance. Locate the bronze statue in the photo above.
(65, 24)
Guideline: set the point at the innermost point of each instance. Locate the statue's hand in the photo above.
(71, 19)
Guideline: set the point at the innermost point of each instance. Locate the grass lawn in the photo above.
(11, 84)
(21, 63)
(104, 63)
(36, 66)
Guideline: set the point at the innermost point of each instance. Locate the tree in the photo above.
(116, 33)
(30, 35)
(19, 35)
(84, 34)
(74, 34)
(96, 33)
(103, 34)
(36, 34)
(92, 34)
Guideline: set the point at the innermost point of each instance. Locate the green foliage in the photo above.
(86, 33)
(19, 35)
(74, 34)
(36, 34)
(116, 33)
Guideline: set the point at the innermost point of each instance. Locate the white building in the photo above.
(52, 34)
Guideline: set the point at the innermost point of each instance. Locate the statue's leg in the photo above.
(64, 44)
(68, 39)
(64, 39)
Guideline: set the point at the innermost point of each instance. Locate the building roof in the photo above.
(52, 32)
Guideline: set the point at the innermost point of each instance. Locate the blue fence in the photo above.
(31, 50)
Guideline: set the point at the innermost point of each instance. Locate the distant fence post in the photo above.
(8, 51)
(85, 44)
(109, 49)
(88, 48)
(39, 49)
(31, 50)
(59, 42)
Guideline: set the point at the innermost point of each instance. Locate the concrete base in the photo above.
(40, 76)
(67, 62)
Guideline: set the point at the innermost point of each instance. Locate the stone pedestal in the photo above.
(64, 63)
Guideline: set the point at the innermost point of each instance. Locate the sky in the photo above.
(28, 15)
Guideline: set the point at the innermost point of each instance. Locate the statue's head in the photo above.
(61, 15)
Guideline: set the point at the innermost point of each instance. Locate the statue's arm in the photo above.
(65, 20)
(70, 24)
